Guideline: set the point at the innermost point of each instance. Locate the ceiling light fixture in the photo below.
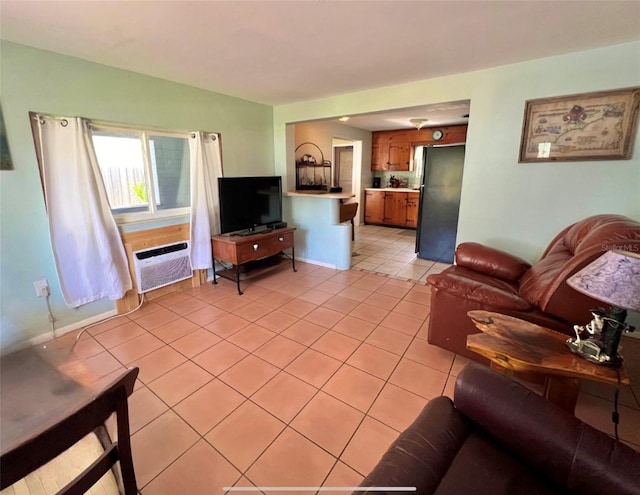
(418, 123)
(344, 119)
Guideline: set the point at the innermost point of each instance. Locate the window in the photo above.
(146, 173)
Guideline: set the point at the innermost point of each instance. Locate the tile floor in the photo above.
(303, 381)
(391, 252)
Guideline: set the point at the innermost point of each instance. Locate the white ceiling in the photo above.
(278, 52)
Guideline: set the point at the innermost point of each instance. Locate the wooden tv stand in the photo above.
(241, 249)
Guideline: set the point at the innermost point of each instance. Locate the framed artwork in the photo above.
(589, 126)
(5, 156)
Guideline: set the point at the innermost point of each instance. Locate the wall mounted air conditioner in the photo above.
(162, 265)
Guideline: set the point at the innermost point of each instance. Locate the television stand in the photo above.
(242, 249)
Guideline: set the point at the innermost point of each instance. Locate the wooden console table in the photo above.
(239, 250)
(527, 349)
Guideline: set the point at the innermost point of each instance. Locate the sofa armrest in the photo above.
(422, 454)
(546, 437)
(491, 261)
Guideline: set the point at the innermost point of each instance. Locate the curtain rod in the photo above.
(120, 125)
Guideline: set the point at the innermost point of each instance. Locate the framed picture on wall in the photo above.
(589, 126)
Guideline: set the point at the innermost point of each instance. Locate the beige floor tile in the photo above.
(324, 317)
(355, 387)
(227, 325)
(422, 380)
(315, 296)
(251, 337)
(343, 476)
(354, 327)
(199, 471)
(158, 444)
(144, 407)
(206, 315)
(368, 445)
(389, 340)
(209, 405)
(284, 396)
(597, 413)
(402, 323)
(396, 407)
(157, 363)
(336, 345)
(119, 334)
(187, 306)
(331, 287)
(382, 301)
(367, 312)
(297, 307)
(374, 360)
(304, 332)
(277, 321)
(355, 293)
(156, 318)
(253, 311)
(108, 324)
(220, 357)
(179, 383)
(313, 367)
(280, 351)
(341, 304)
(196, 342)
(414, 310)
(175, 298)
(328, 422)
(291, 460)
(174, 330)
(136, 348)
(243, 435)
(430, 355)
(249, 375)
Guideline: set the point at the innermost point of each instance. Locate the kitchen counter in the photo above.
(392, 189)
(320, 194)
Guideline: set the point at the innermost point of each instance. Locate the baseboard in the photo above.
(318, 263)
(59, 332)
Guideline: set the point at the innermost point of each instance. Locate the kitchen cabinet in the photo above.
(393, 208)
(413, 198)
(392, 150)
(374, 207)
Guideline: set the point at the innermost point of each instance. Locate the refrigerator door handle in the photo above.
(418, 227)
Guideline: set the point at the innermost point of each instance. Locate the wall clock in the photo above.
(437, 135)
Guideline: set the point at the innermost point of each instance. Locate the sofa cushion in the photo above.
(480, 288)
(490, 261)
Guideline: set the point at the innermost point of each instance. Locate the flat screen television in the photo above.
(248, 204)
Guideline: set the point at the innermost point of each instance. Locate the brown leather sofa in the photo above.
(493, 280)
(497, 437)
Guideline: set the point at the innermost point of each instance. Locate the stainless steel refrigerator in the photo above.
(439, 202)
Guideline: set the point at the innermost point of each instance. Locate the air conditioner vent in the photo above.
(162, 265)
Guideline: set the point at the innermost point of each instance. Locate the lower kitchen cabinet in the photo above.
(393, 208)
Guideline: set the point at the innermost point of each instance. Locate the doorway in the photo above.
(343, 170)
(440, 203)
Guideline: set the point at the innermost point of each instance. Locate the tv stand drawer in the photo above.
(242, 249)
(263, 246)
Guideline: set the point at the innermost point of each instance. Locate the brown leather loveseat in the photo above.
(493, 280)
(499, 438)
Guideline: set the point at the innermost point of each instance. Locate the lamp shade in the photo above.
(613, 278)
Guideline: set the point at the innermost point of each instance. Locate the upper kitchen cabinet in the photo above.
(392, 150)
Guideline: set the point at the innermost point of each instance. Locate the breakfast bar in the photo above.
(320, 238)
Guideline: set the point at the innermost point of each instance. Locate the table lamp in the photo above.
(613, 278)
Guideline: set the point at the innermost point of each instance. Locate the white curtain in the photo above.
(206, 167)
(90, 259)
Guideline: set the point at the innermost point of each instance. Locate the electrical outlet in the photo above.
(41, 287)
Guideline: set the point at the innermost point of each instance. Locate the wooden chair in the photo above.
(347, 213)
(60, 439)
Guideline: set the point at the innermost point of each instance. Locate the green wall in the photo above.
(513, 206)
(40, 81)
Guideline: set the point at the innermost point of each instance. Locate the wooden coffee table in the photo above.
(514, 345)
